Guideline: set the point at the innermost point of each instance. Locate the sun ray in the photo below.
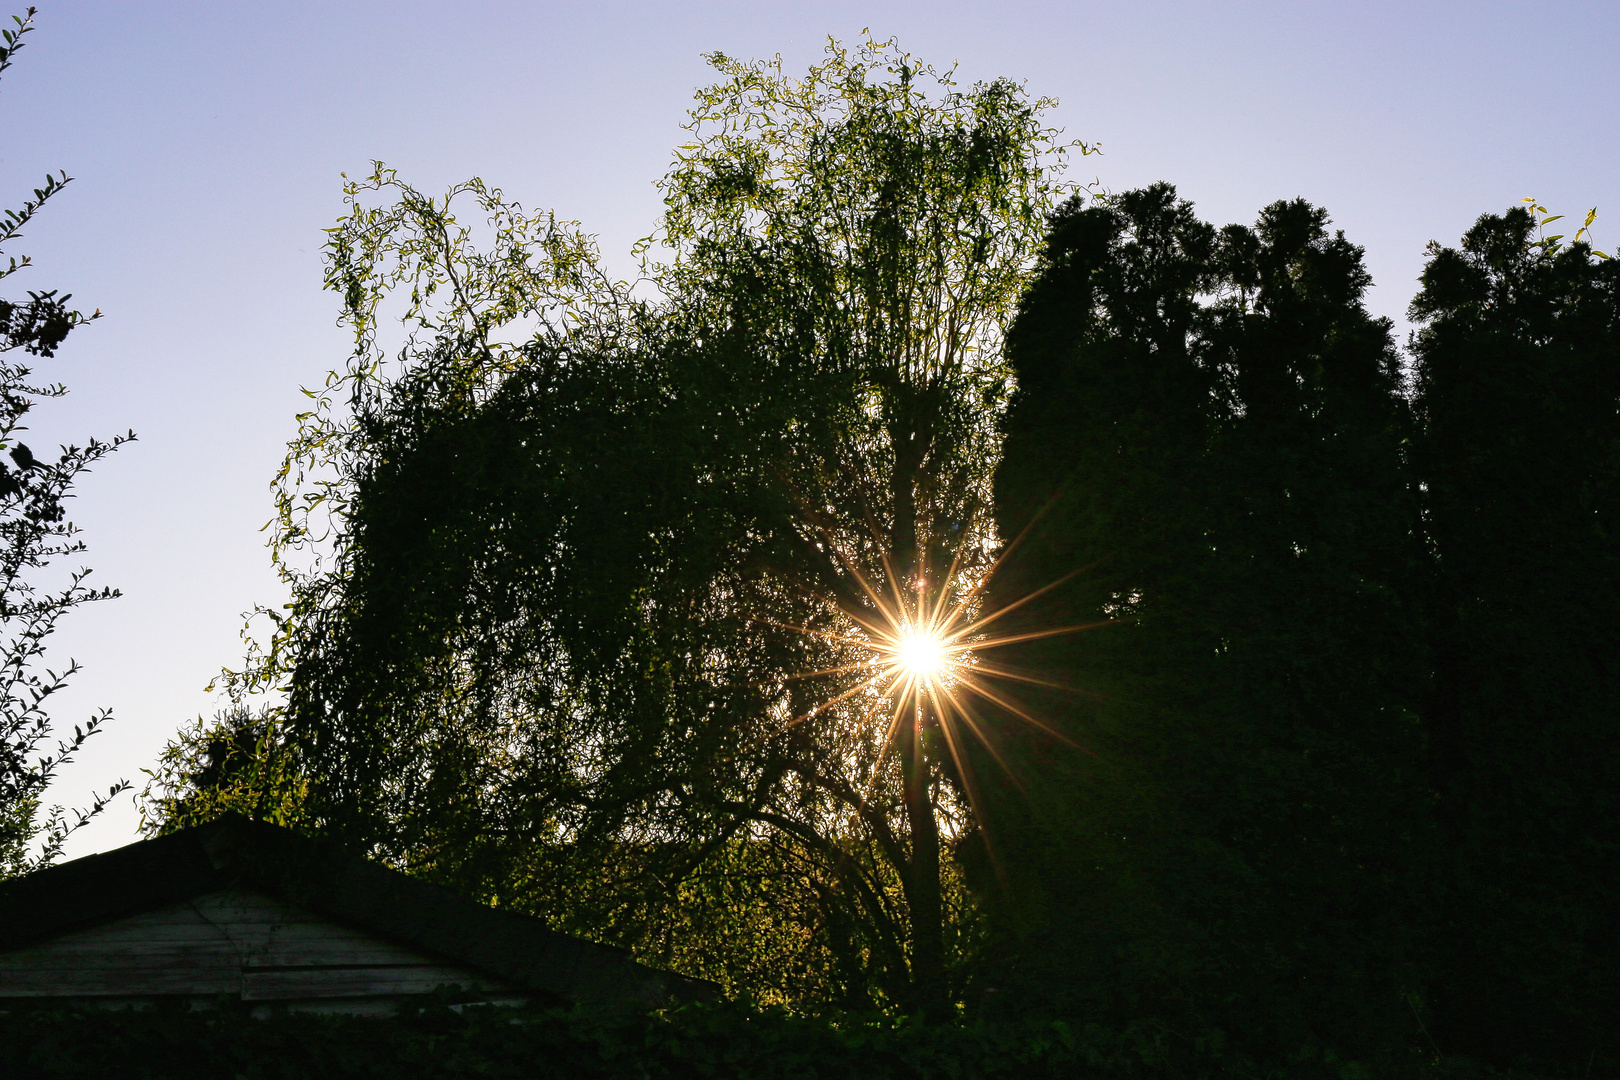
(924, 646)
(942, 597)
(984, 667)
(978, 687)
(825, 705)
(825, 635)
(1033, 635)
(1020, 602)
(840, 670)
(948, 705)
(883, 753)
(990, 746)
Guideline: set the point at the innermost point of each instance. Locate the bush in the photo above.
(713, 1042)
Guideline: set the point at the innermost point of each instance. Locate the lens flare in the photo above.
(922, 653)
(914, 679)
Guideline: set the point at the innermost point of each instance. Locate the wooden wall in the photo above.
(239, 943)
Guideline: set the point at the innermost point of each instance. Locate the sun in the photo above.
(915, 688)
(922, 653)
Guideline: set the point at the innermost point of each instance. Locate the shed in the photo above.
(255, 913)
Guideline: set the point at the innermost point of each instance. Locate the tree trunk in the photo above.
(922, 874)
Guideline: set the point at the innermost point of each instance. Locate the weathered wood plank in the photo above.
(178, 962)
(98, 982)
(220, 943)
(274, 951)
(358, 982)
(353, 953)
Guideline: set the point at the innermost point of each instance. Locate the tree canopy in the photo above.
(1346, 768)
(933, 588)
(607, 618)
(1215, 426)
(1517, 384)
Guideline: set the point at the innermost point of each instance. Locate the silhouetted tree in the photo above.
(1518, 389)
(559, 653)
(1209, 426)
(34, 532)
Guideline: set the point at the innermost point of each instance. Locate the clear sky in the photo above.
(207, 141)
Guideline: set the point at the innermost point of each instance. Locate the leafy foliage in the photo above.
(1351, 752)
(585, 582)
(1518, 375)
(236, 763)
(34, 533)
(1213, 425)
(1550, 244)
(717, 1042)
(562, 589)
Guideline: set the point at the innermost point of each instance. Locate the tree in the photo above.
(34, 533)
(617, 620)
(1517, 384)
(878, 242)
(1210, 424)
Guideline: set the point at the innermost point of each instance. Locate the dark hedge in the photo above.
(724, 1041)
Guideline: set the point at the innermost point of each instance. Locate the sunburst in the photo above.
(925, 650)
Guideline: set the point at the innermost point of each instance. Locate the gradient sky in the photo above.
(207, 141)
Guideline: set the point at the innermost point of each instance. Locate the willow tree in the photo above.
(869, 243)
(664, 620)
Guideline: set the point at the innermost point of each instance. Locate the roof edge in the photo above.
(327, 878)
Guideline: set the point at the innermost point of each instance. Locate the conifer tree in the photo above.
(1518, 365)
(1208, 433)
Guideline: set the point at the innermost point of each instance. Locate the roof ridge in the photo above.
(323, 876)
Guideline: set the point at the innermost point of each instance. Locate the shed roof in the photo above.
(236, 853)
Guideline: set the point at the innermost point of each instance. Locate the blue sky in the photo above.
(207, 141)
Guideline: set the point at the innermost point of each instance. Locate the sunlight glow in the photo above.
(922, 653)
(920, 657)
